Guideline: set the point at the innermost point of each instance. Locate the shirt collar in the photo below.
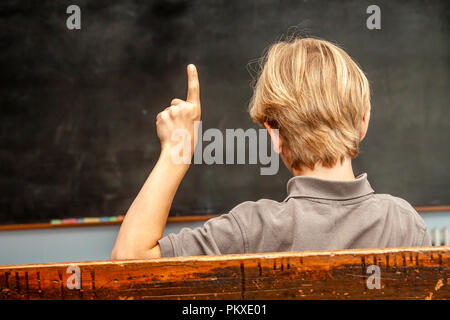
(309, 187)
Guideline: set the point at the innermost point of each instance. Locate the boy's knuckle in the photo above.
(164, 114)
(175, 110)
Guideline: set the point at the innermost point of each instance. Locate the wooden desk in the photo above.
(405, 273)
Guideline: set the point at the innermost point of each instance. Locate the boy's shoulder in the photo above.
(254, 213)
(401, 206)
(260, 205)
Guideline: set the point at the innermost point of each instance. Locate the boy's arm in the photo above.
(146, 218)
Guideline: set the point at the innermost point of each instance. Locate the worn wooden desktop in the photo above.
(405, 273)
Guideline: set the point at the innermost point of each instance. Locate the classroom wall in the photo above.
(65, 244)
(95, 243)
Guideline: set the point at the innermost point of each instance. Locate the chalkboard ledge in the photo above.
(169, 220)
(96, 223)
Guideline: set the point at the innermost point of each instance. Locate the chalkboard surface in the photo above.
(78, 107)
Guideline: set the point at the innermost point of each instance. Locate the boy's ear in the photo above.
(365, 124)
(275, 136)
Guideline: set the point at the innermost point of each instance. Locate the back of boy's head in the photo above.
(316, 96)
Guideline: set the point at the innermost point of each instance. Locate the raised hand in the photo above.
(177, 121)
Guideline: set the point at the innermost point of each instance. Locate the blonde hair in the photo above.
(316, 96)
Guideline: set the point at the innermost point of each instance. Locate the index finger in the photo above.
(193, 94)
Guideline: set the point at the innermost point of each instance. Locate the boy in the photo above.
(318, 99)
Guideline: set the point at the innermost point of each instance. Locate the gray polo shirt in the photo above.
(317, 214)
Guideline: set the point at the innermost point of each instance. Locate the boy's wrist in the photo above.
(168, 158)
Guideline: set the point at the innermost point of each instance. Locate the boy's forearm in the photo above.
(146, 218)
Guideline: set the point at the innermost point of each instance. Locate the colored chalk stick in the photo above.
(70, 220)
(55, 221)
(91, 219)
